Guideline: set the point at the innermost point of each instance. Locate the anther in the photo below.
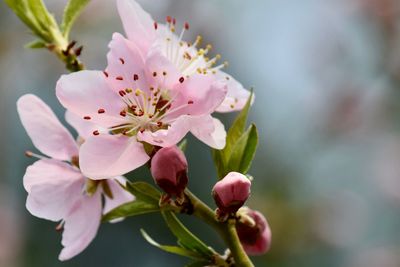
(190, 102)
(123, 113)
(122, 60)
(87, 117)
(128, 90)
(105, 73)
(181, 79)
(119, 78)
(122, 93)
(154, 74)
(186, 26)
(78, 51)
(135, 77)
(169, 19)
(101, 111)
(164, 73)
(159, 123)
(155, 25)
(96, 132)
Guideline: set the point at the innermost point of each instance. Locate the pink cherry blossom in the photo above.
(139, 98)
(57, 190)
(231, 192)
(147, 34)
(255, 233)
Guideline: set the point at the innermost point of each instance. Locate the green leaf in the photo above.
(183, 145)
(42, 15)
(35, 44)
(71, 12)
(244, 150)
(136, 207)
(185, 238)
(236, 131)
(172, 249)
(144, 191)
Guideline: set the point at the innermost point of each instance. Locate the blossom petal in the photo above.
(84, 128)
(160, 70)
(51, 186)
(167, 137)
(236, 96)
(45, 130)
(209, 130)
(201, 94)
(85, 92)
(125, 67)
(106, 156)
(138, 24)
(120, 196)
(81, 225)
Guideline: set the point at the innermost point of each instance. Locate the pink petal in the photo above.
(81, 225)
(161, 72)
(201, 94)
(209, 130)
(85, 92)
(138, 24)
(51, 185)
(120, 195)
(236, 96)
(83, 127)
(125, 67)
(106, 156)
(167, 137)
(45, 130)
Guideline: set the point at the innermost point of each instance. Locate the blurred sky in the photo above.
(327, 173)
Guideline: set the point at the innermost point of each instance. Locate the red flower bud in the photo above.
(254, 232)
(231, 192)
(169, 170)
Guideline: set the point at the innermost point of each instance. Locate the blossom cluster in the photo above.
(156, 88)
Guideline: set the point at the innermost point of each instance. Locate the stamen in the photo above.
(135, 77)
(181, 79)
(101, 111)
(122, 60)
(105, 73)
(119, 78)
(190, 102)
(154, 74)
(186, 26)
(87, 117)
(155, 25)
(123, 113)
(96, 132)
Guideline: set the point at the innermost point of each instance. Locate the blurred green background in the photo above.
(327, 173)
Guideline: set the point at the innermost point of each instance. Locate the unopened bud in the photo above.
(255, 236)
(169, 170)
(231, 192)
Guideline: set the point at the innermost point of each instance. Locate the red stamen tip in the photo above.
(135, 77)
(87, 117)
(96, 132)
(169, 19)
(155, 25)
(181, 79)
(123, 113)
(101, 111)
(186, 26)
(190, 102)
(122, 92)
(105, 73)
(119, 78)
(174, 21)
(122, 60)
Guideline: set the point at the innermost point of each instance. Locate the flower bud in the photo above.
(169, 170)
(231, 192)
(254, 232)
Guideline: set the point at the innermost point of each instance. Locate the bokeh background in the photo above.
(326, 75)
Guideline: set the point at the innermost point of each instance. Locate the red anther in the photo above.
(122, 60)
(159, 123)
(169, 106)
(122, 92)
(151, 88)
(141, 113)
(169, 19)
(186, 26)
(141, 130)
(105, 73)
(154, 74)
(155, 25)
(119, 78)
(133, 107)
(174, 21)
(123, 113)
(190, 102)
(101, 111)
(135, 77)
(181, 79)
(164, 73)
(87, 117)
(151, 116)
(96, 132)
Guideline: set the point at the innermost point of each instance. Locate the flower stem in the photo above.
(227, 230)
